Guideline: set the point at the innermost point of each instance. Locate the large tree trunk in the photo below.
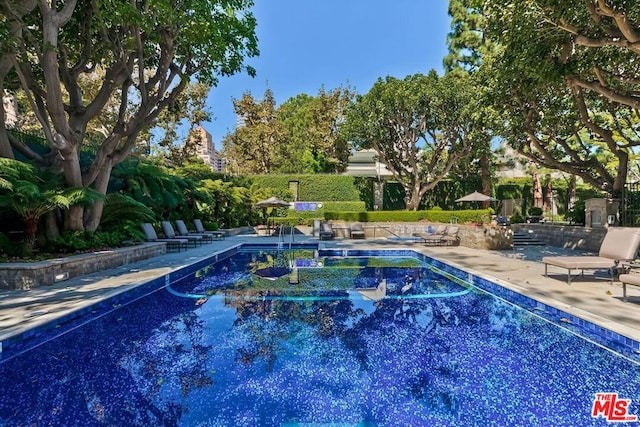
(94, 213)
(485, 176)
(414, 197)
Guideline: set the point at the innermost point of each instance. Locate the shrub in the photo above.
(79, 241)
(534, 210)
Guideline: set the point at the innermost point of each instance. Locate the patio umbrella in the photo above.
(272, 202)
(476, 197)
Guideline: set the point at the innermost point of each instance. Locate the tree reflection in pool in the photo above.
(226, 347)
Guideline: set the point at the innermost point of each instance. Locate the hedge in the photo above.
(462, 216)
(313, 188)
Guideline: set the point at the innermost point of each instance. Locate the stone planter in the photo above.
(29, 275)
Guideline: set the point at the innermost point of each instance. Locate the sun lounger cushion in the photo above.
(628, 279)
(183, 231)
(619, 244)
(152, 236)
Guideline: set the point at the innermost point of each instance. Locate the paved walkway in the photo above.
(593, 298)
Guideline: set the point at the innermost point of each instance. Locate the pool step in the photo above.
(526, 239)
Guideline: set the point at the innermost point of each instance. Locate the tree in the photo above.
(148, 52)
(190, 110)
(419, 126)
(256, 144)
(467, 46)
(566, 76)
(312, 132)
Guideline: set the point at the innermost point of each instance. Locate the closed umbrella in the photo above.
(537, 191)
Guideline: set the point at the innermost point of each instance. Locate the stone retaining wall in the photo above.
(483, 237)
(29, 275)
(565, 236)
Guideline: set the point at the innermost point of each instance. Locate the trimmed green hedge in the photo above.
(307, 217)
(477, 215)
(315, 188)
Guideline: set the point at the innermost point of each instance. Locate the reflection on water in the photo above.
(356, 343)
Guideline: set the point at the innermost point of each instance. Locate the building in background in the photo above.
(206, 150)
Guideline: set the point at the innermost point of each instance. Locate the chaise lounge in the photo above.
(432, 236)
(628, 279)
(619, 245)
(151, 236)
(183, 231)
(217, 235)
(170, 233)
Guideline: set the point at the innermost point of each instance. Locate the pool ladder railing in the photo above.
(281, 238)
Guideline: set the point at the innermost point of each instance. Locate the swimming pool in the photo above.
(355, 340)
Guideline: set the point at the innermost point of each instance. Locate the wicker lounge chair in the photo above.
(619, 245)
(184, 232)
(170, 233)
(151, 236)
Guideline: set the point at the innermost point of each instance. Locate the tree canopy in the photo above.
(147, 52)
(565, 74)
(419, 126)
(302, 135)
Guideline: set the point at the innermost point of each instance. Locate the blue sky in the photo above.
(307, 44)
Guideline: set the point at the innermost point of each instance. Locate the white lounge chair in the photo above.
(619, 245)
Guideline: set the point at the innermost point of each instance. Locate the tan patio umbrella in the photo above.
(476, 197)
(272, 202)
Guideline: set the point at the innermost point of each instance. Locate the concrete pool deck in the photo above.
(594, 299)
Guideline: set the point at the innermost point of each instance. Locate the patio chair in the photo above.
(356, 231)
(326, 231)
(184, 232)
(450, 236)
(170, 233)
(619, 245)
(217, 235)
(628, 279)
(432, 236)
(151, 236)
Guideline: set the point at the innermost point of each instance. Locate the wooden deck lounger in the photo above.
(619, 245)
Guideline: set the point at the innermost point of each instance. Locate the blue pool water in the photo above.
(290, 339)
